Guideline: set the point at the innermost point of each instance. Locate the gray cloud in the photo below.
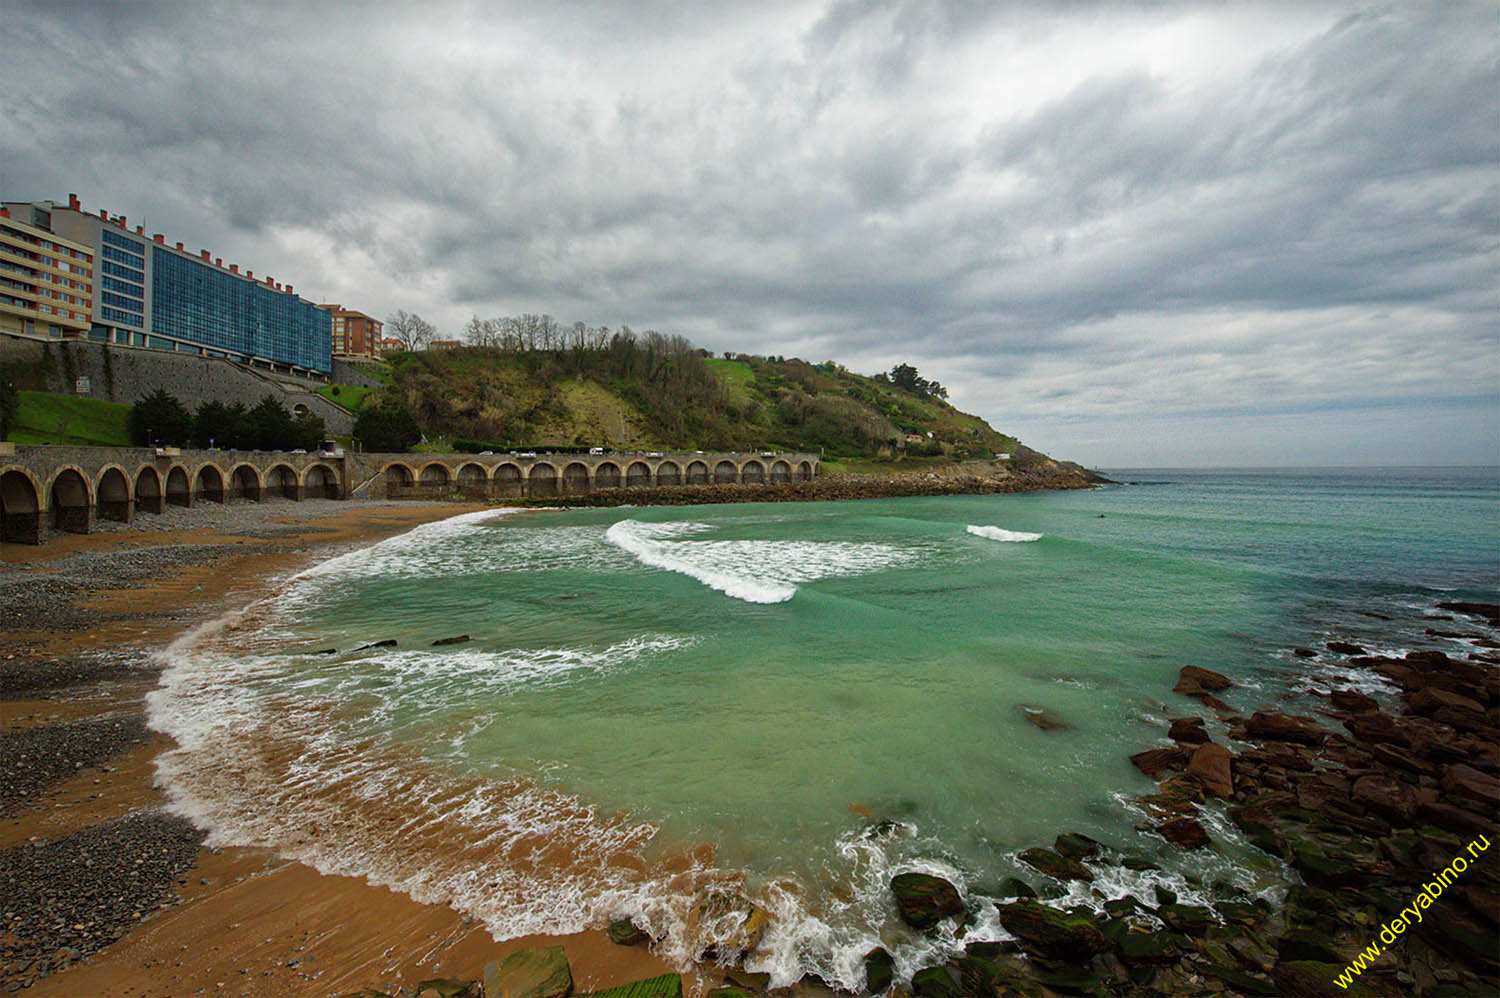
(1150, 214)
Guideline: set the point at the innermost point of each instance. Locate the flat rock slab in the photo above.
(530, 973)
(664, 986)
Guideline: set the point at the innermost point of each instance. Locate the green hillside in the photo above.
(648, 391)
(44, 418)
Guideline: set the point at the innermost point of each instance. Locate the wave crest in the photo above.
(1001, 534)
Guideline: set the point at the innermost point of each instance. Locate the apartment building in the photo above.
(46, 282)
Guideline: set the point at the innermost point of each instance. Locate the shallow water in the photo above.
(656, 699)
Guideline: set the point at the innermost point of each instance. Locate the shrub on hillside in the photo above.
(218, 425)
(10, 403)
(387, 427)
(159, 416)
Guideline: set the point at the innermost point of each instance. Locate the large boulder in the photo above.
(1467, 782)
(924, 900)
(1193, 680)
(1052, 933)
(446, 987)
(1056, 865)
(1155, 762)
(1387, 797)
(1184, 832)
(880, 969)
(1271, 726)
(1187, 731)
(624, 932)
(732, 924)
(1211, 767)
(529, 973)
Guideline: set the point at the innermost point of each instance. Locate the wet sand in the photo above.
(239, 921)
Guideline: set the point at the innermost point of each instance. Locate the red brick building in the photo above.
(354, 333)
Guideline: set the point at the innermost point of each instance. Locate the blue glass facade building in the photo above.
(203, 304)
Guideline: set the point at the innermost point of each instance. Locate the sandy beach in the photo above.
(82, 825)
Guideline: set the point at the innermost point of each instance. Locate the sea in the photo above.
(793, 702)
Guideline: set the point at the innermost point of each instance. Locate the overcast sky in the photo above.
(1155, 234)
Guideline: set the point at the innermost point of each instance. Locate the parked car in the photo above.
(596, 451)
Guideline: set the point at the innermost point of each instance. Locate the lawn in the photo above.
(351, 397)
(44, 418)
(736, 375)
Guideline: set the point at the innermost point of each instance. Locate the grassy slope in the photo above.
(350, 397)
(45, 418)
(859, 423)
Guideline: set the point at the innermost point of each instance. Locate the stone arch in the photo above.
(148, 494)
(542, 481)
(72, 501)
(398, 477)
(300, 409)
(638, 474)
(435, 473)
(781, 472)
(244, 483)
(179, 486)
(209, 484)
(20, 508)
(669, 473)
(804, 472)
(473, 474)
(576, 478)
(507, 480)
(320, 482)
(697, 473)
(725, 472)
(607, 476)
(114, 494)
(282, 480)
(753, 472)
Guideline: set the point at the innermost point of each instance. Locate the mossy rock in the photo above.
(664, 986)
(624, 932)
(1313, 979)
(1051, 932)
(924, 900)
(880, 969)
(529, 973)
(1147, 947)
(446, 987)
(1056, 865)
(1241, 981)
(935, 982)
(1189, 919)
(733, 993)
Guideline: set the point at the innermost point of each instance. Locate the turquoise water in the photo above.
(761, 683)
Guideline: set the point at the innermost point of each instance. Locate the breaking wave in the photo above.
(753, 571)
(1001, 534)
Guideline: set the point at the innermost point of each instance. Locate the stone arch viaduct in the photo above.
(46, 488)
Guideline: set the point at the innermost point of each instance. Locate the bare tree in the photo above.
(411, 329)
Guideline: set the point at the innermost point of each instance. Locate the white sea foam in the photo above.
(424, 550)
(753, 571)
(1001, 534)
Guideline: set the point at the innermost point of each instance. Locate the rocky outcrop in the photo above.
(532, 973)
(923, 900)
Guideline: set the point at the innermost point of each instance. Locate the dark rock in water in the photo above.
(1188, 919)
(1389, 798)
(1188, 731)
(387, 643)
(1184, 832)
(1056, 865)
(1147, 947)
(1011, 887)
(1344, 647)
(1043, 719)
(1352, 702)
(1261, 827)
(1076, 846)
(1193, 680)
(1163, 895)
(1211, 767)
(884, 829)
(1138, 863)
(749, 980)
(325, 651)
(1284, 728)
(1120, 907)
(1304, 653)
(530, 973)
(879, 970)
(1488, 611)
(624, 932)
(1155, 762)
(456, 640)
(935, 982)
(924, 900)
(1053, 933)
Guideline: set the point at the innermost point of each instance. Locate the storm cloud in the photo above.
(1183, 233)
